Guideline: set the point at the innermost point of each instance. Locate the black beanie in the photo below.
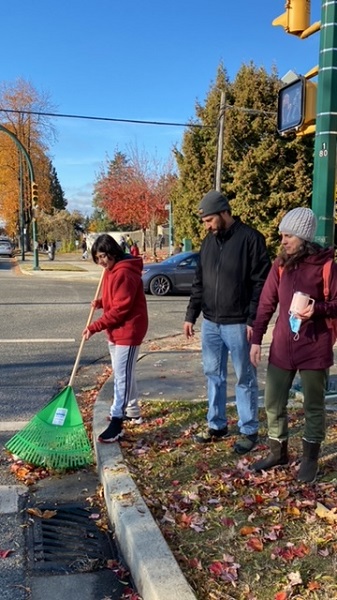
(213, 203)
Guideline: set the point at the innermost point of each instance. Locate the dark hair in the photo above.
(290, 262)
(107, 245)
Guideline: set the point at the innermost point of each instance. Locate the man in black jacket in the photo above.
(234, 264)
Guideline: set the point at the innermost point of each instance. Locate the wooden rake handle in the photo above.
(92, 310)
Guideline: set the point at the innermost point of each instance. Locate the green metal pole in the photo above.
(32, 179)
(21, 213)
(324, 179)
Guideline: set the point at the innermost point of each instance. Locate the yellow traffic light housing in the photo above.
(35, 196)
(296, 19)
(35, 199)
(296, 108)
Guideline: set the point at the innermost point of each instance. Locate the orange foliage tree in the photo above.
(17, 103)
(134, 192)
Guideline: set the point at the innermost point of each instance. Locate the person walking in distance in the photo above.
(84, 246)
(125, 321)
(302, 339)
(134, 251)
(234, 264)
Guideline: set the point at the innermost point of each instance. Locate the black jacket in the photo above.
(228, 282)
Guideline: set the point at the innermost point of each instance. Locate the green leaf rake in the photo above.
(56, 437)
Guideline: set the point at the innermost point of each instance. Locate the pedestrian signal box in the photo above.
(296, 109)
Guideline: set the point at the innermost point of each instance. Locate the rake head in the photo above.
(55, 437)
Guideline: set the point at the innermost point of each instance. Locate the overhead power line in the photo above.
(115, 120)
(251, 111)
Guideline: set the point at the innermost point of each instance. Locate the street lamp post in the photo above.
(169, 208)
(32, 180)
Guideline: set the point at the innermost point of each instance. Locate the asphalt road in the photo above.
(40, 335)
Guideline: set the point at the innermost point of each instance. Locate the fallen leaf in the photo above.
(295, 578)
(255, 544)
(5, 553)
(281, 596)
(248, 530)
(324, 513)
(46, 514)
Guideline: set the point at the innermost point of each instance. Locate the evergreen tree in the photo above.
(196, 164)
(56, 192)
(263, 175)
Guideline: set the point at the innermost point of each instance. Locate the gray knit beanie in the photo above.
(212, 204)
(301, 222)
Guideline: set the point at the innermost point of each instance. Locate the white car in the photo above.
(6, 248)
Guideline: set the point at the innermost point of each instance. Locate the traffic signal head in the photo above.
(35, 197)
(296, 110)
(296, 19)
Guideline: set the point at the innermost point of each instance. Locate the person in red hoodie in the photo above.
(125, 321)
(302, 339)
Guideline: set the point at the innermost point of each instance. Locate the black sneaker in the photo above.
(246, 443)
(211, 435)
(113, 432)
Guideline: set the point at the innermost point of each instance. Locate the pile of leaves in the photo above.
(237, 534)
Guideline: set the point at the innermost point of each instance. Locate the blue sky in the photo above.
(144, 60)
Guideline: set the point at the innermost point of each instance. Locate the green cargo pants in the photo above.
(276, 396)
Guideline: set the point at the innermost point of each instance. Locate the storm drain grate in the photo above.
(69, 541)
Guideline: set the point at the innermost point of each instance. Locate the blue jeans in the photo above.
(217, 342)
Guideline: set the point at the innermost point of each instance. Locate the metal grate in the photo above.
(69, 542)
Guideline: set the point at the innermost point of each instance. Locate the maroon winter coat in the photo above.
(313, 349)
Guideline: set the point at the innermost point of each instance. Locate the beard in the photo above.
(221, 226)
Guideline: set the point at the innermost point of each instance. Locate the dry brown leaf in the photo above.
(46, 514)
(324, 513)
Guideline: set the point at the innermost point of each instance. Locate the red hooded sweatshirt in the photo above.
(124, 305)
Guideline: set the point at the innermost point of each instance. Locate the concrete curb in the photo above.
(154, 569)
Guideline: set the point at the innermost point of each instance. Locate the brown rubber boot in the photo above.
(278, 455)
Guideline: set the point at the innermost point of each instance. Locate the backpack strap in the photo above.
(326, 278)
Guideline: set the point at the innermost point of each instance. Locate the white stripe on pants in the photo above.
(123, 361)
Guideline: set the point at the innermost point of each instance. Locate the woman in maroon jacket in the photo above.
(302, 340)
(125, 321)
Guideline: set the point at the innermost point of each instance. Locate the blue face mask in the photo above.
(295, 324)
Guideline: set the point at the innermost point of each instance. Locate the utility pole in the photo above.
(220, 141)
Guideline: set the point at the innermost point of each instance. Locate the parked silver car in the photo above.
(175, 274)
(6, 248)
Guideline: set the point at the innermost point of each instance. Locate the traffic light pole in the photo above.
(32, 178)
(324, 177)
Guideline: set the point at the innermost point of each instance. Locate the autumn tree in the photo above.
(133, 191)
(263, 175)
(99, 222)
(20, 113)
(61, 225)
